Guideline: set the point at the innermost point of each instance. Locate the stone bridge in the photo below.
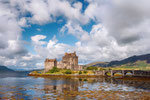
(124, 72)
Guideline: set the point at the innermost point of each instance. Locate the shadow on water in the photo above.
(15, 74)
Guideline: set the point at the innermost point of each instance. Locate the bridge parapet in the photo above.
(124, 72)
(142, 73)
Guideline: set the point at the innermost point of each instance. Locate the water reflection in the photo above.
(58, 84)
(68, 88)
(138, 84)
(53, 86)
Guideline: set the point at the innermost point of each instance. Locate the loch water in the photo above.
(55, 88)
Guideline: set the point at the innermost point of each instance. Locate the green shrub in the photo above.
(80, 79)
(80, 72)
(101, 69)
(68, 71)
(54, 70)
(84, 72)
(109, 69)
(92, 68)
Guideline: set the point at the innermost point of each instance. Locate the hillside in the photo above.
(4, 69)
(102, 64)
(128, 61)
(5, 72)
(131, 60)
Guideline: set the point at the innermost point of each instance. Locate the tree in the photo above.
(54, 70)
(92, 68)
(80, 72)
(101, 68)
(68, 71)
(84, 72)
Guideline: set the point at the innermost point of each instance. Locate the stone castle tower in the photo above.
(69, 61)
(49, 64)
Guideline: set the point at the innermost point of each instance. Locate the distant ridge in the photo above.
(6, 72)
(101, 64)
(4, 69)
(131, 59)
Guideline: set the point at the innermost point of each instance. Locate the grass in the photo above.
(139, 65)
(63, 72)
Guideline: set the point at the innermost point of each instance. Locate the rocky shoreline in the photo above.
(65, 75)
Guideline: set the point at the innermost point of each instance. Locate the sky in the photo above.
(98, 30)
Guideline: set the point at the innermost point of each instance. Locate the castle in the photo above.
(69, 61)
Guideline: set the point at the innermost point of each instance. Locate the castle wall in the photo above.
(49, 65)
(60, 65)
(69, 61)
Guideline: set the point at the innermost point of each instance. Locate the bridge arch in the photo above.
(106, 73)
(117, 72)
(113, 72)
(128, 71)
(122, 72)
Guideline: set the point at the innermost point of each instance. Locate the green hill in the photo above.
(100, 64)
(138, 65)
(141, 62)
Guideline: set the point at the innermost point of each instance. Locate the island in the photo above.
(69, 67)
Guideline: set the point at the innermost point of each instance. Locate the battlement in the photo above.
(50, 60)
(70, 54)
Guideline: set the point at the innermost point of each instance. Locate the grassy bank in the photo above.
(63, 72)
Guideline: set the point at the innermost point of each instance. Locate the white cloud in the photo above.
(36, 39)
(76, 30)
(101, 46)
(13, 16)
(11, 46)
(53, 49)
(23, 22)
(65, 9)
(114, 36)
(39, 11)
(10, 34)
(124, 19)
(121, 30)
(45, 11)
(38, 29)
(98, 47)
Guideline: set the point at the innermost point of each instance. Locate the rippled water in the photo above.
(72, 88)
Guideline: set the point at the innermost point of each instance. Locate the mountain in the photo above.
(131, 59)
(4, 69)
(6, 72)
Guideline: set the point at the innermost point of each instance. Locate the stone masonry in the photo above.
(49, 64)
(69, 61)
